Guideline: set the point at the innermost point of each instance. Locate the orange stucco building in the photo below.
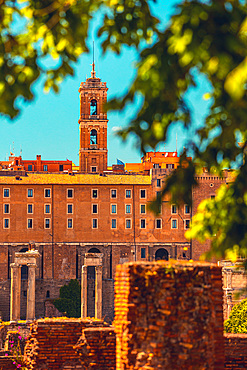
(68, 213)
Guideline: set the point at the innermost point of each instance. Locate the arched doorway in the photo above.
(94, 250)
(24, 268)
(161, 254)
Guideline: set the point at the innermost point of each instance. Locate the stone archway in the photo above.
(161, 254)
(28, 259)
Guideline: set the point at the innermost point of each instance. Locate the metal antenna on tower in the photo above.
(93, 51)
(93, 73)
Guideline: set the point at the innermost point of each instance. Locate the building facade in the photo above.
(96, 210)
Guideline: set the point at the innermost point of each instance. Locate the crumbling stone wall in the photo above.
(169, 316)
(97, 348)
(235, 351)
(54, 344)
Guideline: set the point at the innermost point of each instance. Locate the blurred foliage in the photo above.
(69, 301)
(237, 322)
(203, 37)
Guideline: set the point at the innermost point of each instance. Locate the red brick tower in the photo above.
(93, 125)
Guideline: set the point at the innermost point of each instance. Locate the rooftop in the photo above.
(75, 179)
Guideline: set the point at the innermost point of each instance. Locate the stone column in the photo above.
(98, 292)
(31, 292)
(84, 291)
(15, 292)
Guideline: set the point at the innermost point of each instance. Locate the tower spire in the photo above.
(93, 73)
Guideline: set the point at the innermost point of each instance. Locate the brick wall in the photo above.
(51, 344)
(97, 348)
(207, 187)
(235, 351)
(6, 363)
(169, 317)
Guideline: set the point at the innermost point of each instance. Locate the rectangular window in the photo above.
(127, 193)
(212, 196)
(70, 223)
(95, 208)
(70, 208)
(113, 193)
(158, 223)
(158, 184)
(29, 208)
(6, 223)
(174, 209)
(186, 224)
(128, 224)
(143, 224)
(95, 223)
(70, 193)
(61, 167)
(47, 193)
(6, 208)
(143, 193)
(170, 166)
(143, 252)
(143, 208)
(113, 223)
(6, 193)
(113, 208)
(47, 208)
(47, 223)
(30, 193)
(128, 208)
(94, 193)
(94, 169)
(29, 223)
(45, 167)
(174, 224)
(186, 209)
(29, 167)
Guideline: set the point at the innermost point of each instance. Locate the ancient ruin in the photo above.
(29, 259)
(92, 259)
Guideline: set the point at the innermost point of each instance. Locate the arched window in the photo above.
(93, 137)
(93, 107)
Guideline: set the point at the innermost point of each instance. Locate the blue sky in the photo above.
(49, 125)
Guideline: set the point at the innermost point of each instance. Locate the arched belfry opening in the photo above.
(93, 107)
(93, 137)
(161, 254)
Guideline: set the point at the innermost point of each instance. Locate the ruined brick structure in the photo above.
(169, 316)
(95, 210)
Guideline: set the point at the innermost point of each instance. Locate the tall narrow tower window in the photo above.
(93, 107)
(93, 137)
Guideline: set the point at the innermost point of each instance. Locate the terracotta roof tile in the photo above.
(76, 179)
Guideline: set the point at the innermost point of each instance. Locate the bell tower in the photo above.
(93, 125)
